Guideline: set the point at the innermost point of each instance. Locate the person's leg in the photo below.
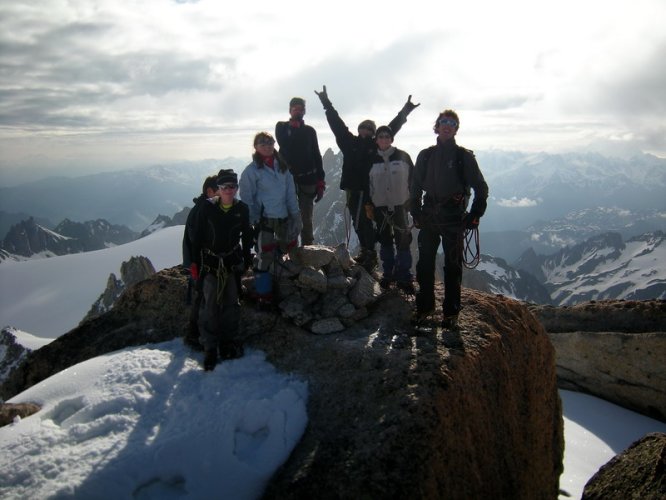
(306, 195)
(403, 239)
(428, 242)
(230, 345)
(364, 228)
(209, 327)
(386, 248)
(452, 271)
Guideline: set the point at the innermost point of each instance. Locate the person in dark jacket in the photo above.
(300, 148)
(438, 200)
(209, 190)
(359, 151)
(390, 178)
(221, 246)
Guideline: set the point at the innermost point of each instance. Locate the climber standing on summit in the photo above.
(300, 148)
(438, 202)
(359, 152)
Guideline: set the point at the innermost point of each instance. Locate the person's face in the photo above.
(384, 141)
(227, 192)
(365, 132)
(297, 112)
(264, 146)
(210, 192)
(447, 127)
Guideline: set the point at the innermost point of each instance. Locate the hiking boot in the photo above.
(210, 360)
(193, 343)
(420, 315)
(407, 287)
(231, 350)
(385, 283)
(450, 322)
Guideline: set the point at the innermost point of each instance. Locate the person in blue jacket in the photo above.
(267, 187)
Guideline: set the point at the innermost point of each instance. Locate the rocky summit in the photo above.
(393, 411)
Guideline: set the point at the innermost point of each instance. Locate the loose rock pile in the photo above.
(322, 289)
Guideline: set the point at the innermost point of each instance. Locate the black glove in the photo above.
(323, 97)
(408, 107)
(471, 221)
(321, 187)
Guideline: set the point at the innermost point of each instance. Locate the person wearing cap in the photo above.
(268, 188)
(438, 202)
(358, 152)
(221, 252)
(389, 180)
(208, 190)
(300, 148)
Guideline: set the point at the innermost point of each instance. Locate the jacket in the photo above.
(358, 152)
(437, 174)
(268, 192)
(220, 232)
(390, 177)
(188, 233)
(300, 148)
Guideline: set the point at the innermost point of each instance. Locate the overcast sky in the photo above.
(106, 84)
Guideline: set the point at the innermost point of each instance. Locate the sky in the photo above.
(123, 422)
(97, 85)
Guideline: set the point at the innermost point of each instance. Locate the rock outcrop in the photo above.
(392, 412)
(131, 271)
(637, 472)
(612, 349)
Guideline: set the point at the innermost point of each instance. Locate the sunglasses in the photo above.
(448, 122)
(265, 142)
(383, 136)
(227, 187)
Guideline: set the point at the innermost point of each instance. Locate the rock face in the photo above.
(612, 349)
(12, 353)
(637, 472)
(393, 413)
(131, 272)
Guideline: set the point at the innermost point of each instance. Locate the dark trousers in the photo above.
(394, 238)
(306, 194)
(428, 241)
(362, 225)
(219, 311)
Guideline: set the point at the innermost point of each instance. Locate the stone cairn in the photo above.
(322, 289)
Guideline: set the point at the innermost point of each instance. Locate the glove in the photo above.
(321, 186)
(370, 211)
(194, 271)
(471, 221)
(323, 97)
(408, 107)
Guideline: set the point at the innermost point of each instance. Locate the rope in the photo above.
(471, 256)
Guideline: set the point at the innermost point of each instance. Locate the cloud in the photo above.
(515, 202)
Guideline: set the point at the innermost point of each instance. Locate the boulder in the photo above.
(637, 472)
(613, 349)
(9, 412)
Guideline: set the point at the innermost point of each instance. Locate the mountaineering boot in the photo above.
(210, 360)
(450, 322)
(231, 349)
(407, 287)
(385, 282)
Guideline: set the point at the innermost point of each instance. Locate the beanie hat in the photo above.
(226, 176)
(297, 101)
(369, 124)
(384, 129)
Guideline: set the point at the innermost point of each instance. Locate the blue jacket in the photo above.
(268, 192)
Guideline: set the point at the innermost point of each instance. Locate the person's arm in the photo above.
(477, 182)
(247, 236)
(343, 136)
(247, 190)
(401, 118)
(291, 199)
(416, 187)
(281, 129)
